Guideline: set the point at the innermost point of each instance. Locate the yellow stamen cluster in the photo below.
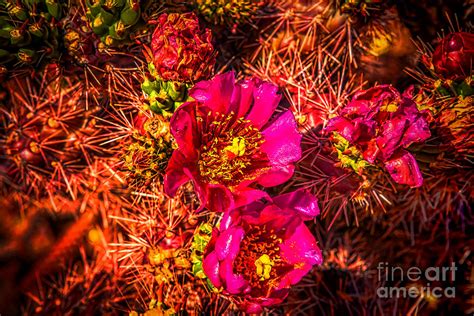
(390, 107)
(264, 266)
(231, 151)
(237, 148)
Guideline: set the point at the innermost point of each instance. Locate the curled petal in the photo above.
(417, 131)
(301, 201)
(357, 108)
(372, 151)
(234, 283)
(376, 96)
(228, 243)
(282, 140)
(255, 306)
(216, 94)
(294, 275)
(392, 135)
(343, 126)
(252, 307)
(210, 266)
(175, 175)
(301, 247)
(266, 99)
(185, 130)
(219, 198)
(247, 196)
(276, 175)
(404, 169)
(245, 97)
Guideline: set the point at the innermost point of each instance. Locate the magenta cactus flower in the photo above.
(381, 123)
(229, 140)
(262, 249)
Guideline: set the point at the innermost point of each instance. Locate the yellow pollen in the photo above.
(237, 148)
(98, 21)
(391, 107)
(264, 266)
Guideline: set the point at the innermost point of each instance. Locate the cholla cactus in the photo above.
(154, 254)
(230, 13)
(456, 124)
(49, 134)
(115, 21)
(80, 44)
(84, 286)
(146, 155)
(30, 31)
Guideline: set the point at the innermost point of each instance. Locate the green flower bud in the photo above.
(17, 36)
(101, 22)
(4, 53)
(94, 7)
(113, 4)
(147, 86)
(54, 8)
(36, 30)
(175, 90)
(5, 31)
(18, 12)
(118, 31)
(129, 16)
(27, 56)
(464, 89)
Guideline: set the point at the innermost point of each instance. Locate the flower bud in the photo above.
(453, 57)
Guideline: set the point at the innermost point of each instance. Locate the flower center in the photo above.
(231, 151)
(388, 106)
(260, 249)
(264, 266)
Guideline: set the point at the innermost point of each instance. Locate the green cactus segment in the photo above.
(115, 21)
(29, 32)
(201, 238)
(348, 155)
(164, 97)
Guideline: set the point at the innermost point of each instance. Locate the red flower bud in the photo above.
(182, 50)
(453, 57)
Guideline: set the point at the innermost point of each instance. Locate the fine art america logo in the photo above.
(395, 275)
